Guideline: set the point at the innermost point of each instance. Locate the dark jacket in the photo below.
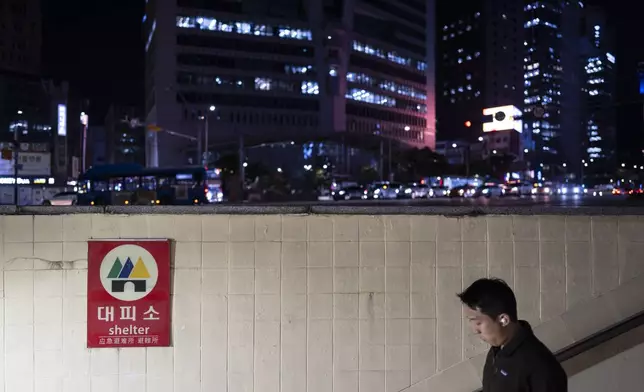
(523, 365)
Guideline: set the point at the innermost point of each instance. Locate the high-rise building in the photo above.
(287, 69)
(20, 35)
(552, 87)
(599, 89)
(479, 66)
(480, 46)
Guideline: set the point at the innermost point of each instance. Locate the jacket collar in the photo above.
(524, 331)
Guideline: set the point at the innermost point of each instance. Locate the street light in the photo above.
(525, 150)
(206, 132)
(454, 145)
(480, 138)
(407, 128)
(19, 111)
(623, 165)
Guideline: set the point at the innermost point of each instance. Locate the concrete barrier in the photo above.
(310, 298)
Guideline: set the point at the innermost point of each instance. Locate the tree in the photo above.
(413, 164)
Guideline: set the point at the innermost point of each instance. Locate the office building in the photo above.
(287, 70)
(553, 102)
(124, 136)
(20, 36)
(600, 114)
(480, 45)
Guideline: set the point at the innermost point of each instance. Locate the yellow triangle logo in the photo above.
(139, 271)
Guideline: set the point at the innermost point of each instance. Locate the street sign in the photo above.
(128, 293)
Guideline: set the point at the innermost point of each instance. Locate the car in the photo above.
(518, 188)
(384, 191)
(542, 190)
(62, 199)
(418, 191)
(490, 190)
(438, 191)
(463, 191)
(350, 193)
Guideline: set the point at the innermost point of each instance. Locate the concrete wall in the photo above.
(297, 303)
(613, 366)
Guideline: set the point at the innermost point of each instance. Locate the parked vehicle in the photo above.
(62, 199)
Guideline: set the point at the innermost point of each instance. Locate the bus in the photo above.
(214, 184)
(136, 185)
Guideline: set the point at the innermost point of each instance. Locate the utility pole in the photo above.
(382, 158)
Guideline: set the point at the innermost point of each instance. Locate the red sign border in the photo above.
(162, 251)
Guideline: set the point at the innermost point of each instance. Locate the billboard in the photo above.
(29, 164)
(62, 120)
(504, 118)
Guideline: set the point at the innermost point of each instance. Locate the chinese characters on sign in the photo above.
(128, 293)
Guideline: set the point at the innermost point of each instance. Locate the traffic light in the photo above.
(468, 124)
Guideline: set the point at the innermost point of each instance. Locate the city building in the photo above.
(480, 47)
(600, 114)
(40, 131)
(553, 103)
(278, 71)
(20, 35)
(124, 136)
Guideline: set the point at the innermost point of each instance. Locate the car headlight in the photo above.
(341, 193)
(534, 191)
(408, 190)
(485, 191)
(546, 190)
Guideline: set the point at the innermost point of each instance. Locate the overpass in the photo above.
(294, 299)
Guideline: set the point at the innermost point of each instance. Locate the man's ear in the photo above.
(503, 319)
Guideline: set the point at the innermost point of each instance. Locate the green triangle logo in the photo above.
(116, 269)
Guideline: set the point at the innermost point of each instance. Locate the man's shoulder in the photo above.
(539, 356)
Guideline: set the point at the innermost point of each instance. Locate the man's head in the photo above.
(491, 309)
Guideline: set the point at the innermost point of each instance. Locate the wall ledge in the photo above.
(326, 209)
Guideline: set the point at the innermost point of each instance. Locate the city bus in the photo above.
(135, 185)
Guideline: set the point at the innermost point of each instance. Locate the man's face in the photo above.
(488, 329)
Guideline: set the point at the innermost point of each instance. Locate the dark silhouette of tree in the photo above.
(413, 164)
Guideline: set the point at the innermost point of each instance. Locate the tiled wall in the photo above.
(296, 303)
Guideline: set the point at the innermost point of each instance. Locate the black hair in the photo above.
(492, 297)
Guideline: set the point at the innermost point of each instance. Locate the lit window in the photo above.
(369, 97)
(302, 34)
(239, 27)
(262, 84)
(310, 88)
(297, 69)
(388, 55)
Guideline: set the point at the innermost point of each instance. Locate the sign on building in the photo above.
(504, 118)
(29, 164)
(128, 293)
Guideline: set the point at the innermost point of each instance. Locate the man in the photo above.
(517, 360)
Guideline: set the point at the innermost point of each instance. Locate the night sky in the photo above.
(98, 47)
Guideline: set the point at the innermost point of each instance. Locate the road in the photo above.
(555, 201)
